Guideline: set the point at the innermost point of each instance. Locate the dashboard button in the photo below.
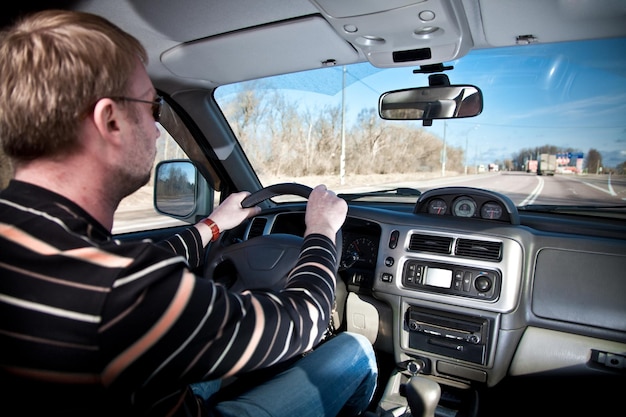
(393, 239)
(467, 281)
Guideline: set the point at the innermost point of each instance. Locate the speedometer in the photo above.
(464, 207)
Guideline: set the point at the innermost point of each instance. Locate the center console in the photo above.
(453, 335)
(440, 299)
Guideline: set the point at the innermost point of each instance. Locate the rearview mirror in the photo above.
(434, 102)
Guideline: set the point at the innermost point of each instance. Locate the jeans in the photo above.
(338, 378)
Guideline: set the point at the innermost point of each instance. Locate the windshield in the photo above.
(552, 130)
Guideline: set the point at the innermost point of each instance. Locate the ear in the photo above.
(107, 118)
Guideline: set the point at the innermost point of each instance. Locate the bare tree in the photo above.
(372, 130)
(245, 113)
(593, 161)
(326, 141)
(310, 144)
(286, 136)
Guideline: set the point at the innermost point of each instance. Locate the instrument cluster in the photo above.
(466, 207)
(467, 202)
(360, 251)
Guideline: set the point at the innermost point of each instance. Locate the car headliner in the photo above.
(206, 43)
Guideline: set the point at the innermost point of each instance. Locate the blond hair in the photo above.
(55, 65)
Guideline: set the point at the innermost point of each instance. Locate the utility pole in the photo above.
(443, 152)
(466, 145)
(342, 161)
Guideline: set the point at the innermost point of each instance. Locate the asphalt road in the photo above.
(523, 188)
(528, 188)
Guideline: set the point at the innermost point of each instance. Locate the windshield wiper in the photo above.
(401, 192)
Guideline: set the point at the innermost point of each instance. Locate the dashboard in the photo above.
(474, 290)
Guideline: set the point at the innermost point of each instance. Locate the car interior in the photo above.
(475, 306)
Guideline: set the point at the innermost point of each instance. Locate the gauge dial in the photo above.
(437, 206)
(464, 207)
(491, 211)
(363, 251)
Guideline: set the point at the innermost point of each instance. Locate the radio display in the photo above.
(437, 277)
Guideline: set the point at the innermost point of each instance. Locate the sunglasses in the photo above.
(157, 104)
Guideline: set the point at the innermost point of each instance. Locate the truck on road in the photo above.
(547, 164)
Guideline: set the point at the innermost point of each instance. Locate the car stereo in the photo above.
(454, 335)
(452, 279)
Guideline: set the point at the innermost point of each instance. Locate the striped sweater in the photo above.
(92, 326)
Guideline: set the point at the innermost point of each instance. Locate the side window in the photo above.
(136, 212)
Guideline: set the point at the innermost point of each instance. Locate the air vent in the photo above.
(257, 227)
(429, 243)
(479, 249)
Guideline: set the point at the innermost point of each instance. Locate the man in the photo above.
(91, 326)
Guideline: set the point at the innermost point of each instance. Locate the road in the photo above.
(527, 188)
(523, 188)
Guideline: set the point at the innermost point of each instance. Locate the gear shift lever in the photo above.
(422, 393)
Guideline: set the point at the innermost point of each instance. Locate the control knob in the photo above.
(483, 283)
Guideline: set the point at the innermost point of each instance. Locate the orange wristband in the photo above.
(214, 229)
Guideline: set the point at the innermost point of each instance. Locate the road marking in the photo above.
(610, 190)
(533, 196)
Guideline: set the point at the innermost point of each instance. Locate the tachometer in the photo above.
(464, 207)
(363, 251)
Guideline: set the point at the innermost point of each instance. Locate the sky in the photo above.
(568, 95)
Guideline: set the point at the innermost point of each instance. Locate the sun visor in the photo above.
(309, 43)
(551, 21)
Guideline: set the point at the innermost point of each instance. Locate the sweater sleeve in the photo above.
(181, 328)
(187, 244)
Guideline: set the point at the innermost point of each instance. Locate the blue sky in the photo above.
(566, 94)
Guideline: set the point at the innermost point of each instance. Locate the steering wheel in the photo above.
(262, 262)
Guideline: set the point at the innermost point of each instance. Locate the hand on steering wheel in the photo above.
(262, 262)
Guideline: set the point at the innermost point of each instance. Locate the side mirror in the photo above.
(180, 191)
(434, 102)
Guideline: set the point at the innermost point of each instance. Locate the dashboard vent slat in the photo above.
(430, 243)
(257, 227)
(479, 249)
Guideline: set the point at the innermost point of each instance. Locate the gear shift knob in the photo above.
(423, 396)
